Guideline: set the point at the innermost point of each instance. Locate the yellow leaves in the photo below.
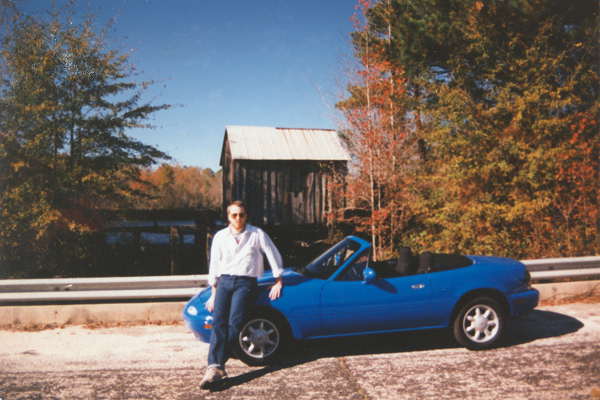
(478, 5)
(91, 177)
(44, 106)
(77, 227)
(44, 222)
(526, 208)
(17, 166)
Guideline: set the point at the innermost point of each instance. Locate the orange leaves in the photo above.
(358, 18)
(584, 123)
(17, 166)
(378, 134)
(173, 186)
(578, 163)
(502, 104)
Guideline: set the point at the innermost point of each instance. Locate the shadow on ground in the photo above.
(536, 325)
(540, 324)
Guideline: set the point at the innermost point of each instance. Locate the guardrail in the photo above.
(550, 264)
(90, 284)
(575, 268)
(19, 291)
(100, 289)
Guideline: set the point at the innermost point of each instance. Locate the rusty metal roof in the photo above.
(269, 143)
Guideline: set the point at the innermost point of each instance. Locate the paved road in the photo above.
(554, 353)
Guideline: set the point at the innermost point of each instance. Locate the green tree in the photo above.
(67, 103)
(524, 74)
(505, 111)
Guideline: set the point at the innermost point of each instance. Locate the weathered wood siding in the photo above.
(281, 192)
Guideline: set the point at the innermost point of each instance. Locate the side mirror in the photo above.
(369, 275)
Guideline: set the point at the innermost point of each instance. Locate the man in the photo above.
(236, 261)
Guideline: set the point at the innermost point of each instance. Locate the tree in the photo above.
(377, 134)
(66, 105)
(173, 186)
(502, 126)
(503, 104)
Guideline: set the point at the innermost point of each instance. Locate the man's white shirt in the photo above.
(228, 257)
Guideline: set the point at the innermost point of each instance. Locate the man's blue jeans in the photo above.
(235, 296)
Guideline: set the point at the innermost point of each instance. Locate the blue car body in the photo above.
(331, 300)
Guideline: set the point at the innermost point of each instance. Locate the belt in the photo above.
(237, 276)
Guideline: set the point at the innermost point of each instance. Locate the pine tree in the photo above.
(67, 103)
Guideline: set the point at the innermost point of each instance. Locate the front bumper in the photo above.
(523, 302)
(199, 323)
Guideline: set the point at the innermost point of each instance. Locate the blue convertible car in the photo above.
(343, 293)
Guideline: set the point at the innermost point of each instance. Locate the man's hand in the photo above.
(276, 289)
(210, 303)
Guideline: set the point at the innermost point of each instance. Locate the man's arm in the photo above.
(274, 257)
(210, 303)
(215, 256)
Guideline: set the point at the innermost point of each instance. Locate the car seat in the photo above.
(406, 263)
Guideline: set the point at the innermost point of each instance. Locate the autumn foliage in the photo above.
(66, 105)
(377, 133)
(475, 126)
(174, 186)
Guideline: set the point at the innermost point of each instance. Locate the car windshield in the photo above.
(327, 263)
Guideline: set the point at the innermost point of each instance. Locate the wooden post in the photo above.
(176, 242)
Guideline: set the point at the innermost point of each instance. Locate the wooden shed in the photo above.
(282, 174)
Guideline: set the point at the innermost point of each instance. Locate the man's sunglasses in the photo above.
(235, 215)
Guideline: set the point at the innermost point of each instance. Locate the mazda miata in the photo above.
(343, 292)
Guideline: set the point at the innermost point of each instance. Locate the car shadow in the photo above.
(540, 324)
(536, 325)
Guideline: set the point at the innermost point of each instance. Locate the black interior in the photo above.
(408, 263)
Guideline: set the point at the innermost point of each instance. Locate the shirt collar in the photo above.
(234, 233)
(248, 228)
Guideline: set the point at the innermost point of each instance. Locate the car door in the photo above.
(354, 306)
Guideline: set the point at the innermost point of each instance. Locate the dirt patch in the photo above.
(91, 325)
(33, 327)
(585, 299)
(102, 325)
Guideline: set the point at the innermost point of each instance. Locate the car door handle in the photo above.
(417, 286)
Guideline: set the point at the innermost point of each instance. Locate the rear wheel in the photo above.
(479, 324)
(262, 339)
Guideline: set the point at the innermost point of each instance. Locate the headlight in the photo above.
(192, 310)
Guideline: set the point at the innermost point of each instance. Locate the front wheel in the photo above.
(479, 324)
(261, 340)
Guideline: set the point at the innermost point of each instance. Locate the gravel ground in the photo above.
(554, 353)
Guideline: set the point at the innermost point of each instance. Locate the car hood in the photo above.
(289, 276)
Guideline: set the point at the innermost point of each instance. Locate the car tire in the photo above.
(479, 324)
(262, 339)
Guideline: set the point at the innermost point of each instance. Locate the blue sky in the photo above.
(264, 62)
